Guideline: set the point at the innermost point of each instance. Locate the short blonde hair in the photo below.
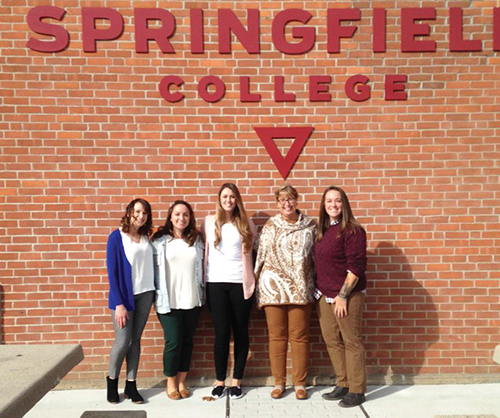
(290, 191)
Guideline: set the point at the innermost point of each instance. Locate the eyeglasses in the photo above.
(290, 201)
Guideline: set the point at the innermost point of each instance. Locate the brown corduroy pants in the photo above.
(288, 322)
(344, 342)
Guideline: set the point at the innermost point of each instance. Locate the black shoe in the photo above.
(335, 394)
(235, 392)
(112, 395)
(218, 392)
(131, 392)
(352, 399)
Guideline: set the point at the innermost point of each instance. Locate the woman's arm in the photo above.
(340, 301)
(355, 251)
(121, 314)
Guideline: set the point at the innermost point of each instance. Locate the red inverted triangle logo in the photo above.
(300, 136)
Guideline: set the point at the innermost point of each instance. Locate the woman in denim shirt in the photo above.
(178, 261)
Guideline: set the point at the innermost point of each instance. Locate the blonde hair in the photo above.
(239, 218)
(288, 190)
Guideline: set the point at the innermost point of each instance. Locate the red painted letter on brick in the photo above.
(356, 88)
(318, 88)
(394, 89)
(307, 35)
(457, 42)
(410, 29)
(165, 84)
(196, 22)
(379, 30)
(35, 23)
(245, 95)
(279, 90)
(229, 23)
(218, 94)
(91, 35)
(336, 31)
(143, 34)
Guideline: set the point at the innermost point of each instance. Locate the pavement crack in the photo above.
(364, 411)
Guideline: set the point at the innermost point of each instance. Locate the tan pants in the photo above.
(344, 343)
(288, 322)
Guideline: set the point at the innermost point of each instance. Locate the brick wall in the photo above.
(83, 133)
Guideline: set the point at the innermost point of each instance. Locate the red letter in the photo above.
(228, 22)
(457, 42)
(245, 95)
(496, 29)
(196, 21)
(165, 84)
(307, 35)
(35, 23)
(393, 89)
(318, 91)
(362, 93)
(279, 91)
(336, 31)
(90, 34)
(218, 94)
(143, 34)
(379, 30)
(409, 29)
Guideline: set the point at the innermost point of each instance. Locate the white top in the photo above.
(140, 257)
(225, 263)
(181, 274)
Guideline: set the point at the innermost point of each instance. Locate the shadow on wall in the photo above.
(401, 322)
(1, 314)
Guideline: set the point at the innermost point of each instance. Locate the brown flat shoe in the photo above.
(174, 395)
(277, 393)
(184, 393)
(301, 394)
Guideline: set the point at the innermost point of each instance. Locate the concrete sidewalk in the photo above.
(418, 401)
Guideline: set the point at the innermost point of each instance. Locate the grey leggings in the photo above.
(128, 339)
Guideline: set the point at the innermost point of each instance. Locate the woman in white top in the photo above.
(229, 237)
(178, 256)
(129, 260)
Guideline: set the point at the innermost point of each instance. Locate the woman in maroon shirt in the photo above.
(340, 254)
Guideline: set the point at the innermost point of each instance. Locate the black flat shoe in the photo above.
(336, 394)
(352, 399)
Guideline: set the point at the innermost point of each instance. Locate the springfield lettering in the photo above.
(340, 24)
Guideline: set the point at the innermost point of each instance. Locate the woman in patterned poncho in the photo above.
(285, 288)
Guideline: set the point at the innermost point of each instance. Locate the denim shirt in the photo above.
(162, 302)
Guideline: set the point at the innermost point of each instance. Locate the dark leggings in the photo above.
(179, 327)
(229, 310)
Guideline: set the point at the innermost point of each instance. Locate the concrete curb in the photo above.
(30, 371)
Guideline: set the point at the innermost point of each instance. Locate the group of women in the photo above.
(297, 264)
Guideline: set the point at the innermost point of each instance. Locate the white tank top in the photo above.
(225, 263)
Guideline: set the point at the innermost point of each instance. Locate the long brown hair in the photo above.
(347, 222)
(145, 229)
(239, 218)
(189, 234)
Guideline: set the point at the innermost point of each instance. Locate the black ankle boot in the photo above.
(131, 392)
(112, 395)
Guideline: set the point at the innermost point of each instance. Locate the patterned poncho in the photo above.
(285, 268)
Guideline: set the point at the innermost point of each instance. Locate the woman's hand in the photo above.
(339, 307)
(121, 316)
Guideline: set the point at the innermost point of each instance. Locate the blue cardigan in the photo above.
(121, 291)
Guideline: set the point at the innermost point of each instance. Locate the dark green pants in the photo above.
(179, 327)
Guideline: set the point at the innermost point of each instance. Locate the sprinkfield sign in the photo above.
(157, 26)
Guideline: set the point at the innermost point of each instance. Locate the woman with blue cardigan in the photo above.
(129, 259)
